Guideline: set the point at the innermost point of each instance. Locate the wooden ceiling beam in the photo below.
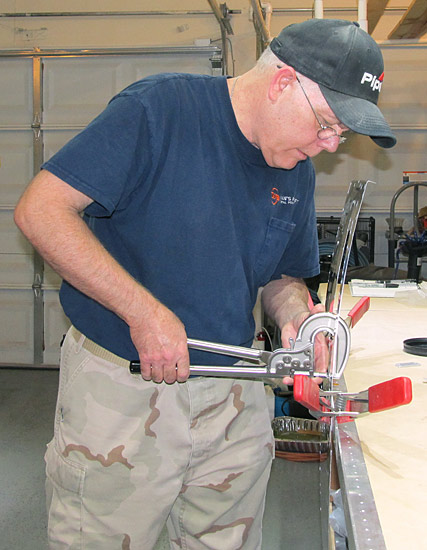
(413, 24)
(376, 10)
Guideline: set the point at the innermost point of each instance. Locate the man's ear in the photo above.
(280, 81)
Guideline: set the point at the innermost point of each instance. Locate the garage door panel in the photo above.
(51, 278)
(152, 64)
(54, 140)
(68, 99)
(16, 103)
(11, 239)
(74, 90)
(16, 320)
(16, 269)
(16, 164)
(56, 325)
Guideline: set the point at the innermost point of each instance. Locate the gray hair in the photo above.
(267, 61)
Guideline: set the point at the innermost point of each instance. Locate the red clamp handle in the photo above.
(390, 394)
(306, 392)
(359, 310)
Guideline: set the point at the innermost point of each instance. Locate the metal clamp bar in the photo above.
(234, 351)
(237, 371)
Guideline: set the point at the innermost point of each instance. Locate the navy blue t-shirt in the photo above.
(189, 208)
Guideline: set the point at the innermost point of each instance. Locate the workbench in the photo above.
(393, 442)
(380, 457)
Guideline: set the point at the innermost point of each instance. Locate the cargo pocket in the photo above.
(64, 491)
(275, 242)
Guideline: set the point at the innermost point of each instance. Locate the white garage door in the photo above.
(45, 99)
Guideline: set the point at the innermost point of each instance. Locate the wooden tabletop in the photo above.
(394, 442)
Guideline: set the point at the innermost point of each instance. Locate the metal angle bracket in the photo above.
(345, 235)
(222, 13)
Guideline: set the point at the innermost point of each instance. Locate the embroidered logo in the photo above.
(374, 82)
(282, 199)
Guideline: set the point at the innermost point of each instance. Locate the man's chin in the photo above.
(287, 162)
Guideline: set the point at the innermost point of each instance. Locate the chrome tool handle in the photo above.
(258, 356)
(234, 351)
(236, 371)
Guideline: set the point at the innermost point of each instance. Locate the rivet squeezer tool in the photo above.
(297, 361)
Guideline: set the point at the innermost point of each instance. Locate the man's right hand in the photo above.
(48, 214)
(161, 341)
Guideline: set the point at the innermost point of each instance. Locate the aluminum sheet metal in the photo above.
(363, 525)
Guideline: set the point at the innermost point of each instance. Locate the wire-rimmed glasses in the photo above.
(325, 132)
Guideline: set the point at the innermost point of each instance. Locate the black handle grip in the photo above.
(135, 367)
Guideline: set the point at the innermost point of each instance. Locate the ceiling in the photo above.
(386, 19)
(411, 25)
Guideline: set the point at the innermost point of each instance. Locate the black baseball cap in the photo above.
(348, 66)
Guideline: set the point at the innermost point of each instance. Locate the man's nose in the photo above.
(331, 144)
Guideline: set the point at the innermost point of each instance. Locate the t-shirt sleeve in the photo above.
(109, 158)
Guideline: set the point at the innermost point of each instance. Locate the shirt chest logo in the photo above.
(276, 198)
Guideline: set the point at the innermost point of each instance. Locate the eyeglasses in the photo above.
(325, 132)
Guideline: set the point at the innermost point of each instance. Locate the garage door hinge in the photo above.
(37, 285)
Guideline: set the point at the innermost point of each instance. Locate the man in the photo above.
(196, 191)
(422, 220)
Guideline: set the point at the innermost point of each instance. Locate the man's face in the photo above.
(291, 133)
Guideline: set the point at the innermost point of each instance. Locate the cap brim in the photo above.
(360, 115)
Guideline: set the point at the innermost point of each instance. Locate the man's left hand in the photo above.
(321, 348)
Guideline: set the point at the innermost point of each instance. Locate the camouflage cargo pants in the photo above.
(129, 455)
